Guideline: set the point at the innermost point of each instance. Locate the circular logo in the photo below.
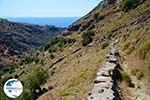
(13, 88)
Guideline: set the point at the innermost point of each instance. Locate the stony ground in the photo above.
(106, 82)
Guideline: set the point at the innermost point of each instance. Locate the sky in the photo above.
(46, 8)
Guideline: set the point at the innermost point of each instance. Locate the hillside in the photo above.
(73, 77)
(68, 64)
(16, 38)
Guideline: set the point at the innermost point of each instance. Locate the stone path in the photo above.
(105, 84)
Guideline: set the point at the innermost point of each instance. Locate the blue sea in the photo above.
(57, 21)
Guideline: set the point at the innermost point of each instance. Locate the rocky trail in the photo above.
(106, 83)
(106, 86)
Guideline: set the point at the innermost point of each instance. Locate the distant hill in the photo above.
(73, 59)
(16, 38)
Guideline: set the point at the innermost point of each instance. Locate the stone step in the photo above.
(104, 84)
(104, 73)
(100, 79)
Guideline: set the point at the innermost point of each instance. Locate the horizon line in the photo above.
(39, 16)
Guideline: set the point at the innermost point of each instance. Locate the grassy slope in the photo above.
(74, 75)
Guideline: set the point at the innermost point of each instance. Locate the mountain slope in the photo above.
(108, 22)
(16, 38)
(72, 66)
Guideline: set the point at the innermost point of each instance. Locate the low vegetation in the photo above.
(126, 5)
(104, 45)
(87, 38)
(57, 43)
(32, 81)
(96, 15)
(30, 59)
(2, 82)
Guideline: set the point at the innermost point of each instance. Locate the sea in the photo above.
(56, 21)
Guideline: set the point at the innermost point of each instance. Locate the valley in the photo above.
(70, 65)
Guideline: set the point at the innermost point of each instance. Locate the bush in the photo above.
(87, 38)
(36, 77)
(46, 47)
(52, 49)
(127, 4)
(27, 95)
(85, 41)
(104, 45)
(30, 59)
(96, 15)
(52, 56)
(57, 42)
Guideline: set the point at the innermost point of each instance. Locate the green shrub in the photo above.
(126, 4)
(96, 15)
(52, 56)
(59, 42)
(27, 95)
(104, 45)
(87, 38)
(36, 60)
(85, 41)
(46, 47)
(52, 49)
(36, 77)
(30, 59)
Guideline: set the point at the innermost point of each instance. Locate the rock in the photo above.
(106, 3)
(100, 79)
(104, 73)
(66, 32)
(74, 27)
(89, 25)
